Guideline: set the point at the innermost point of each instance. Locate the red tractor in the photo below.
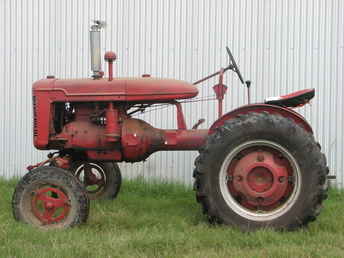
(258, 165)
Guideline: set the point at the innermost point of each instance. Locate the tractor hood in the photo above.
(119, 89)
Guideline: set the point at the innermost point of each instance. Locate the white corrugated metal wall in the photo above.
(282, 46)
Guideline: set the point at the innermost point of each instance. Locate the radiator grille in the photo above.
(34, 104)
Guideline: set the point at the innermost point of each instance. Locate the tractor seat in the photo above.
(295, 99)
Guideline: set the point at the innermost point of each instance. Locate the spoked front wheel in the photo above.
(50, 197)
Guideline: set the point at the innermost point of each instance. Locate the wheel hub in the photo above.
(50, 205)
(259, 178)
(91, 178)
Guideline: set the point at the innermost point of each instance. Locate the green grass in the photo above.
(163, 220)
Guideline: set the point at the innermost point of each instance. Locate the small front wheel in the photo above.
(50, 197)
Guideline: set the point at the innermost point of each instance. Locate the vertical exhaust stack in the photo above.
(96, 65)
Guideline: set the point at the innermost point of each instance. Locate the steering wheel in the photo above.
(235, 66)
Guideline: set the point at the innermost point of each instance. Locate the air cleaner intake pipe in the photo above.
(96, 65)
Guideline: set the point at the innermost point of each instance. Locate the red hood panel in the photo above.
(119, 89)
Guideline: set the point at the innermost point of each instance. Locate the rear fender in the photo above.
(259, 108)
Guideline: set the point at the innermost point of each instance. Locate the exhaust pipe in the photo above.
(96, 65)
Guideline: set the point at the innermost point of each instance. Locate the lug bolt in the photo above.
(238, 178)
(281, 179)
(260, 157)
(259, 199)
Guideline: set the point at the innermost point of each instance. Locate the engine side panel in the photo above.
(138, 90)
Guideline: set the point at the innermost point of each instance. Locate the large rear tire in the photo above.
(261, 170)
(50, 198)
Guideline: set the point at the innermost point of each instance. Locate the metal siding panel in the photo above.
(281, 46)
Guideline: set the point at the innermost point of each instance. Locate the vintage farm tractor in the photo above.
(258, 165)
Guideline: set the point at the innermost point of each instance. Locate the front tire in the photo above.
(50, 198)
(261, 170)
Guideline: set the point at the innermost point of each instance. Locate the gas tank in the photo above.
(139, 89)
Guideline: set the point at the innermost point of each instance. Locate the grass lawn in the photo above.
(164, 220)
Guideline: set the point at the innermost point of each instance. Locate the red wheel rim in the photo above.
(261, 178)
(50, 205)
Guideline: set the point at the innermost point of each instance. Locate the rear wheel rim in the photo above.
(260, 180)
